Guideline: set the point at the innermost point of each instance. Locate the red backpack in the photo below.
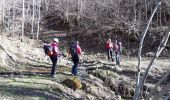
(107, 45)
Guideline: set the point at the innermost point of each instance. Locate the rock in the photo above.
(96, 81)
(150, 54)
(120, 87)
(118, 69)
(98, 92)
(90, 97)
(112, 84)
(73, 83)
(84, 85)
(118, 97)
(102, 74)
(78, 96)
(125, 89)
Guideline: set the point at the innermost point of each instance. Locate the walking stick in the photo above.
(81, 69)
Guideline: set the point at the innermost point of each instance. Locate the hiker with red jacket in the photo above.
(109, 48)
(75, 51)
(54, 55)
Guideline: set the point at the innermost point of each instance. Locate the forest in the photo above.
(142, 27)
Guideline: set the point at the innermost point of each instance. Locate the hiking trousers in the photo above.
(74, 70)
(110, 54)
(54, 64)
(117, 56)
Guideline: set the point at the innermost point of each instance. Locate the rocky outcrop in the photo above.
(73, 83)
(120, 87)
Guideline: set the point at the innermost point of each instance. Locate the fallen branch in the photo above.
(158, 84)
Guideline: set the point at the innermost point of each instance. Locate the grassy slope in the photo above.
(40, 86)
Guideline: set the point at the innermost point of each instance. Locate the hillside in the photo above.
(15, 54)
(141, 26)
(25, 74)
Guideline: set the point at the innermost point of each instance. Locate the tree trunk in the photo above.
(67, 10)
(2, 16)
(139, 80)
(33, 16)
(80, 5)
(13, 15)
(46, 4)
(39, 18)
(23, 19)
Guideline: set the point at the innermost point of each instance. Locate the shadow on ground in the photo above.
(32, 92)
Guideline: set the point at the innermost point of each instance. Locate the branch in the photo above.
(122, 20)
(160, 48)
(164, 90)
(7, 53)
(158, 84)
(138, 84)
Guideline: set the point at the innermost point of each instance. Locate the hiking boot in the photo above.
(54, 76)
(74, 74)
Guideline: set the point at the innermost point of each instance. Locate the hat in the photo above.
(109, 40)
(77, 42)
(56, 40)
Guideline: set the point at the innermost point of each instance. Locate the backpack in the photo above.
(73, 50)
(107, 45)
(48, 50)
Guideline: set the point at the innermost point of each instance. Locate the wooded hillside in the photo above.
(125, 20)
(133, 71)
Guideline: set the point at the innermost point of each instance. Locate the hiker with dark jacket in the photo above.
(75, 51)
(54, 55)
(109, 48)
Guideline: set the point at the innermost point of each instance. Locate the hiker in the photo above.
(75, 51)
(117, 52)
(54, 56)
(109, 48)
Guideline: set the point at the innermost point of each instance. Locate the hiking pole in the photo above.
(81, 61)
(82, 68)
(57, 67)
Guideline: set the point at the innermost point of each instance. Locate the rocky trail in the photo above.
(100, 79)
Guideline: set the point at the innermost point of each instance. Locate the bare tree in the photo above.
(33, 17)
(23, 19)
(141, 78)
(2, 15)
(39, 18)
(14, 15)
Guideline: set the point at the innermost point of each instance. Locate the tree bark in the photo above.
(160, 48)
(23, 19)
(39, 18)
(2, 16)
(138, 81)
(33, 16)
(13, 16)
